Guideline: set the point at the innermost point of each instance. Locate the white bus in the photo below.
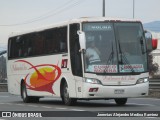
(86, 58)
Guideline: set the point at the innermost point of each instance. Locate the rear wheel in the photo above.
(121, 101)
(25, 97)
(65, 97)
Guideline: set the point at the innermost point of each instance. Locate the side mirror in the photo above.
(151, 43)
(82, 40)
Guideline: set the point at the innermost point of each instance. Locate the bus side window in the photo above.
(18, 47)
(12, 48)
(63, 39)
(38, 44)
(49, 41)
(75, 55)
(9, 48)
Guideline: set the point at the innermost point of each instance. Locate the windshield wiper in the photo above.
(110, 59)
(124, 58)
(127, 62)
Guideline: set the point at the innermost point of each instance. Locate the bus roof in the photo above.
(78, 20)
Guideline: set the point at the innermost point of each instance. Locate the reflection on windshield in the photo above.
(106, 53)
(131, 43)
(101, 48)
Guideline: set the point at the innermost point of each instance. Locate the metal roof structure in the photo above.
(78, 20)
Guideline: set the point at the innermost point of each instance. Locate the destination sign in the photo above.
(97, 27)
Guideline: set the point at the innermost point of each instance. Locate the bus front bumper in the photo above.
(100, 91)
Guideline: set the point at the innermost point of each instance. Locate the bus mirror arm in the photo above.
(82, 41)
(82, 50)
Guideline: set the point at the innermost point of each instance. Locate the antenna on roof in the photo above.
(133, 8)
(103, 8)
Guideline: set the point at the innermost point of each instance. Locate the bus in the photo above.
(80, 59)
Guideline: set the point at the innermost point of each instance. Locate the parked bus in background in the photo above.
(86, 58)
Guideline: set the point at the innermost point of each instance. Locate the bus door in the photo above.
(76, 59)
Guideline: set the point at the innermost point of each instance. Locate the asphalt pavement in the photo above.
(53, 106)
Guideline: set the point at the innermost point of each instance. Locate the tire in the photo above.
(25, 97)
(121, 101)
(65, 97)
(34, 99)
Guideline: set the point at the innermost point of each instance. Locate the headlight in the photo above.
(92, 81)
(142, 80)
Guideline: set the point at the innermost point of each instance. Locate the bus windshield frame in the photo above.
(115, 48)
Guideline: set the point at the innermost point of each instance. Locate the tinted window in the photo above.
(40, 43)
(56, 40)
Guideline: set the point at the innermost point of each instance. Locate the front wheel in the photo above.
(121, 101)
(65, 97)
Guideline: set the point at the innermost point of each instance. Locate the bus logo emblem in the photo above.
(64, 63)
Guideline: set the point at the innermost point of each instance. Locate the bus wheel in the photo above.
(27, 98)
(24, 95)
(65, 98)
(121, 101)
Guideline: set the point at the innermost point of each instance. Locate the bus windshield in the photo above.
(115, 47)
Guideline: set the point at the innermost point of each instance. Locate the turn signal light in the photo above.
(154, 43)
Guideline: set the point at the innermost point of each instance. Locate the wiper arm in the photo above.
(127, 62)
(110, 56)
(123, 57)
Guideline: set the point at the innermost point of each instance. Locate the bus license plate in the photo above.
(119, 91)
